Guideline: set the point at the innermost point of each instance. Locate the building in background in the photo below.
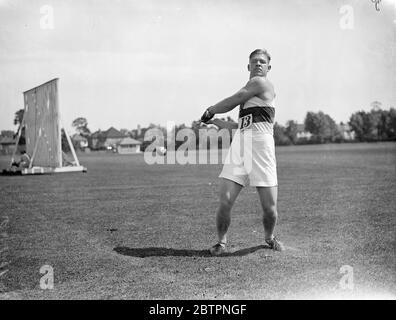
(7, 145)
(108, 139)
(302, 133)
(128, 146)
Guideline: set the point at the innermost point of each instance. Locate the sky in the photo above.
(128, 63)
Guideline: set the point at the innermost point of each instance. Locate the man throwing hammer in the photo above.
(251, 158)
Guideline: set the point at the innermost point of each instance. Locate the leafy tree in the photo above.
(322, 127)
(391, 124)
(280, 137)
(81, 125)
(357, 124)
(375, 125)
(19, 117)
(291, 131)
(365, 125)
(101, 140)
(384, 120)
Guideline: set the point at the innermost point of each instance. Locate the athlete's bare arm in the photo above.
(257, 86)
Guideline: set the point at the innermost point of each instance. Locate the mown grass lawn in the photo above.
(128, 230)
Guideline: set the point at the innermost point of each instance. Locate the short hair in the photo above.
(261, 51)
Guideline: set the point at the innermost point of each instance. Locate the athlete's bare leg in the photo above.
(229, 191)
(268, 198)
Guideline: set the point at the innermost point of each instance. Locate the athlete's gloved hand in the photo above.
(207, 116)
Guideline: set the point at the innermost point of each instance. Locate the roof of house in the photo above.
(128, 141)
(95, 134)
(113, 133)
(7, 140)
(109, 133)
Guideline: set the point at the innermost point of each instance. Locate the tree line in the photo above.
(375, 125)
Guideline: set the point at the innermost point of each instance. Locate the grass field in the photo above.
(127, 230)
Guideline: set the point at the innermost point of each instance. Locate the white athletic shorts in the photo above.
(251, 160)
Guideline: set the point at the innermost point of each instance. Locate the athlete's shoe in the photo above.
(218, 249)
(275, 244)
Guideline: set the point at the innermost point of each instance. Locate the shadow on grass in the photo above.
(168, 252)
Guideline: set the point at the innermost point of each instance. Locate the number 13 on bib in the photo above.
(245, 122)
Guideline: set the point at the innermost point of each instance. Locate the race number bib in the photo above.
(245, 122)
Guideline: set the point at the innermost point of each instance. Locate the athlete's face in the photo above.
(258, 65)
